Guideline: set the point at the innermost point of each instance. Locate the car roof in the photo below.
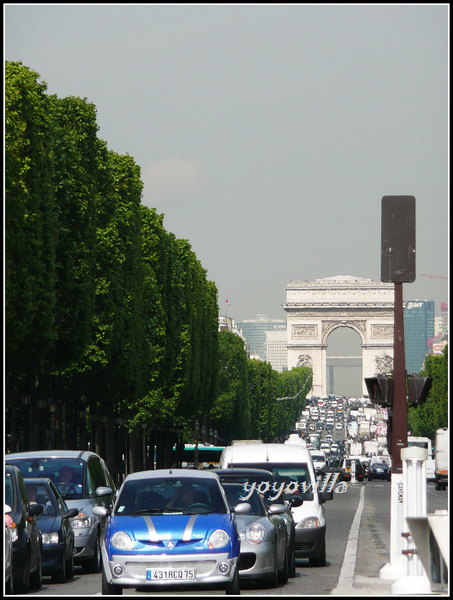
(242, 471)
(266, 452)
(177, 473)
(82, 454)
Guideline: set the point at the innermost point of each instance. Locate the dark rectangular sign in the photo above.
(398, 239)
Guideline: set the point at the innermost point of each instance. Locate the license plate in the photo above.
(170, 574)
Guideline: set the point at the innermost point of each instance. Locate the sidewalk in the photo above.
(367, 551)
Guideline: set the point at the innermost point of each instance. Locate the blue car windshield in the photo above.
(68, 474)
(162, 495)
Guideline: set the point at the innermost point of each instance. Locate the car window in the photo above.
(108, 478)
(95, 472)
(236, 494)
(39, 493)
(10, 493)
(23, 496)
(295, 476)
(61, 503)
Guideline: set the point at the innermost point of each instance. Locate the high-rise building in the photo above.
(444, 315)
(254, 331)
(277, 349)
(418, 329)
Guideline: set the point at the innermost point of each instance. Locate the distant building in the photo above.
(254, 331)
(228, 324)
(418, 329)
(437, 344)
(277, 349)
(444, 315)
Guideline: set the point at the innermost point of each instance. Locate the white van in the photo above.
(292, 465)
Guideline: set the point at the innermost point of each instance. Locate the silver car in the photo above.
(263, 535)
(84, 482)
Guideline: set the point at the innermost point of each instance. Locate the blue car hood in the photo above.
(184, 533)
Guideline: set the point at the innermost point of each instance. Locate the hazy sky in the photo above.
(266, 134)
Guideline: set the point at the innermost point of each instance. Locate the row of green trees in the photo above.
(102, 303)
(254, 401)
(424, 420)
(111, 325)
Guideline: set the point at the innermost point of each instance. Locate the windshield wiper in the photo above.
(161, 510)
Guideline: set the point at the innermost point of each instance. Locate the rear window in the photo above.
(291, 479)
(236, 494)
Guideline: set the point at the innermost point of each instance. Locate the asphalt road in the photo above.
(312, 581)
(371, 548)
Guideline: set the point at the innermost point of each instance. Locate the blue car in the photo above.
(55, 525)
(171, 529)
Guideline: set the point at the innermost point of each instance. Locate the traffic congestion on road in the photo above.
(272, 516)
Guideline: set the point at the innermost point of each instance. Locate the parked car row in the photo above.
(160, 530)
(49, 497)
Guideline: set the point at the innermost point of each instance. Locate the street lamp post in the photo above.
(197, 429)
(203, 433)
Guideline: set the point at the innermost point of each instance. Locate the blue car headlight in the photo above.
(122, 541)
(218, 539)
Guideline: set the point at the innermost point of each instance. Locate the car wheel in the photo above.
(108, 589)
(22, 584)
(94, 564)
(60, 575)
(283, 576)
(320, 560)
(70, 566)
(36, 577)
(232, 587)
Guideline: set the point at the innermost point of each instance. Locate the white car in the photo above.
(291, 465)
(319, 460)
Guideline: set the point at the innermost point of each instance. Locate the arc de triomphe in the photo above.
(316, 308)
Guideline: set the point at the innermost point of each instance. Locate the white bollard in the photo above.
(396, 567)
(414, 579)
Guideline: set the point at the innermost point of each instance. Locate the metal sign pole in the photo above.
(399, 409)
